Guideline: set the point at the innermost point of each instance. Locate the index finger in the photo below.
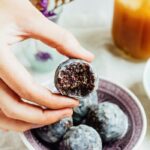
(14, 108)
(50, 33)
(20, 81)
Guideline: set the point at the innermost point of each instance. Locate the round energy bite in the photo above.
(53, 133)
(81, 137)
(109, 121)
(80, 112)
(75, 78)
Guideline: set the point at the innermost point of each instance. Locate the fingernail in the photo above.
(68, 114)
(74, 104)
(77, 104)
(88, 53)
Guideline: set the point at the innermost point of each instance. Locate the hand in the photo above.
(20, 20)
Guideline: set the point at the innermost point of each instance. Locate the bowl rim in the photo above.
(143, 114)
(134, 97)
(147, 66)
(25, 141)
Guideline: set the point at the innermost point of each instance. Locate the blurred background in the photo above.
(91, 22)
(87, 20)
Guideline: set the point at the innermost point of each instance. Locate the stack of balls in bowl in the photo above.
(92, 124)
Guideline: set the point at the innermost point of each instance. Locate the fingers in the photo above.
(16, 109)
(43, 29)
(15, 125)
(18, 79)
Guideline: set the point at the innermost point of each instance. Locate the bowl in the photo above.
(128, 102)
(146, 78)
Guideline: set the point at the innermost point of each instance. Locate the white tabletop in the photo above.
(90, 22)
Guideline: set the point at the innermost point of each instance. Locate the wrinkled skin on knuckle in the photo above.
(43, 119)
(46, 118)
(10, 113)
(27, 93)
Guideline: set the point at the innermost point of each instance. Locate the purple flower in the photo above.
(44, 8)
(44, 3)
(41, 5)
(43, 56)
(48, 13)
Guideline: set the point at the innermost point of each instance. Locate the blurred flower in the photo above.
(43, 56)
(43, 6)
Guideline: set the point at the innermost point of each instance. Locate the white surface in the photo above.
(90, 21)
(146, 78)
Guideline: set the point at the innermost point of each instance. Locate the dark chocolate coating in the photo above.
(109, 121)
(81, 137)
(53, 133)
(75, 78)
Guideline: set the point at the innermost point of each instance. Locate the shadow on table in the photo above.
(113, 49)
(139, 91)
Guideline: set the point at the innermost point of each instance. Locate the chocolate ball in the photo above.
(81, 137)
(80, 112)
(75, 78)
(54, 132)
(109, 121)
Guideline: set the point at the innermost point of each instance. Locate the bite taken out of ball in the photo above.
(75, 78)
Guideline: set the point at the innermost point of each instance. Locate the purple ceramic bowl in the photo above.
(128, 102)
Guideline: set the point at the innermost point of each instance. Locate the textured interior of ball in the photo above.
(76, 79)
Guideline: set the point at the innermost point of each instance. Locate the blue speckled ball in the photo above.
(80, 112)
(53, 133)
(109, 121)
(81, 137)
